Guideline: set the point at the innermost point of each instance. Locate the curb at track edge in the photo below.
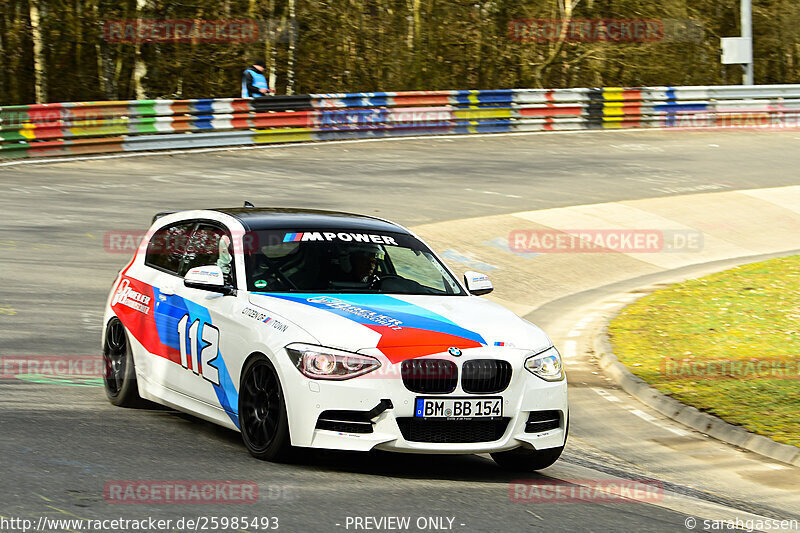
(685, 414)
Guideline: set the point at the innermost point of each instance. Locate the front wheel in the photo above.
(262, 412)
(119, 380)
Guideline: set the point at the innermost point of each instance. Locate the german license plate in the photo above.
(460, 408)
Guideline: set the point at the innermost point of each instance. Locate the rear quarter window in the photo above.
(166, 247)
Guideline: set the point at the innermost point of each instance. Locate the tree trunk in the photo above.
(79, 37)
(567, 8)
(290, 57)
(39, 67)
(270, 36)
(413, 24)
(3, 29)
(140, 67)
(103, 66)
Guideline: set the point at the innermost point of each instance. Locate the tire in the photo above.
(262, 412)
(119, 380)
(525, 460)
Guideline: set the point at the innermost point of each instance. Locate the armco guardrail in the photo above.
(96, 127)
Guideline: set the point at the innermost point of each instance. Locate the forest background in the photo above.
(67, 50)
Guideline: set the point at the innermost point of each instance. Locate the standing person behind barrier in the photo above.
(254, 82)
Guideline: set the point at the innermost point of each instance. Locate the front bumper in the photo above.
(307, 399)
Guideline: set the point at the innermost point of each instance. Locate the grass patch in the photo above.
(727, 344)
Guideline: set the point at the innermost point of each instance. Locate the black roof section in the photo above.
(267, 218)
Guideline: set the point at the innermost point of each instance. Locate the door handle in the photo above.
(168, 290)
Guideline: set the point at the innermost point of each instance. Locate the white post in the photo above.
(747, 33)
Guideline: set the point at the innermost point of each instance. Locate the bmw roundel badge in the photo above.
(455, 352)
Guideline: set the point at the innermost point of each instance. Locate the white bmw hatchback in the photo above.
(320, 329)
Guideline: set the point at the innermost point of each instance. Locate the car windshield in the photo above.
(339, 261)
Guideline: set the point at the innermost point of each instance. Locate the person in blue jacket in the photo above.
(254, 82)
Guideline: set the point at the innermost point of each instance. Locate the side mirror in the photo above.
(477, 283)
(207, 278)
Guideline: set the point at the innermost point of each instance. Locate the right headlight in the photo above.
(319, 362)
(546, 365)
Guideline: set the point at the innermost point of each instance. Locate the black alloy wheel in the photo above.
(119, 379)
(262, 412)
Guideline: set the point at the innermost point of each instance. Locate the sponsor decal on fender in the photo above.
(255, 315)
(266, 319)
(129, 297)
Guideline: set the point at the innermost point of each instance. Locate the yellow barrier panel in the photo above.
(28, 132)
(279, 135)
(613, 93)
(107, 129)
(613, 109)
(486, 112)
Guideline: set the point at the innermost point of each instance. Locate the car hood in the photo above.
(404, 326)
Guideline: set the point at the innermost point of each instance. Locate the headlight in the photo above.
(546, 365)
(318, 362)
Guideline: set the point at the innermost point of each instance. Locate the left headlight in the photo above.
(318, 362)
(546, 365)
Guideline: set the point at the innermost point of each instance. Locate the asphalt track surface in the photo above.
(60, 443)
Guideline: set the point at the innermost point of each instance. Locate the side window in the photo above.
(166, 247)
(210, 245)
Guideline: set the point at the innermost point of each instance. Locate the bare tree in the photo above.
(39, 66)
(566, 9)
(290, 58)
(140, 67)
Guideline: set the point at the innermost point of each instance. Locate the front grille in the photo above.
(429, 376)
(485, 376)
(539, 421)
(452, 431)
